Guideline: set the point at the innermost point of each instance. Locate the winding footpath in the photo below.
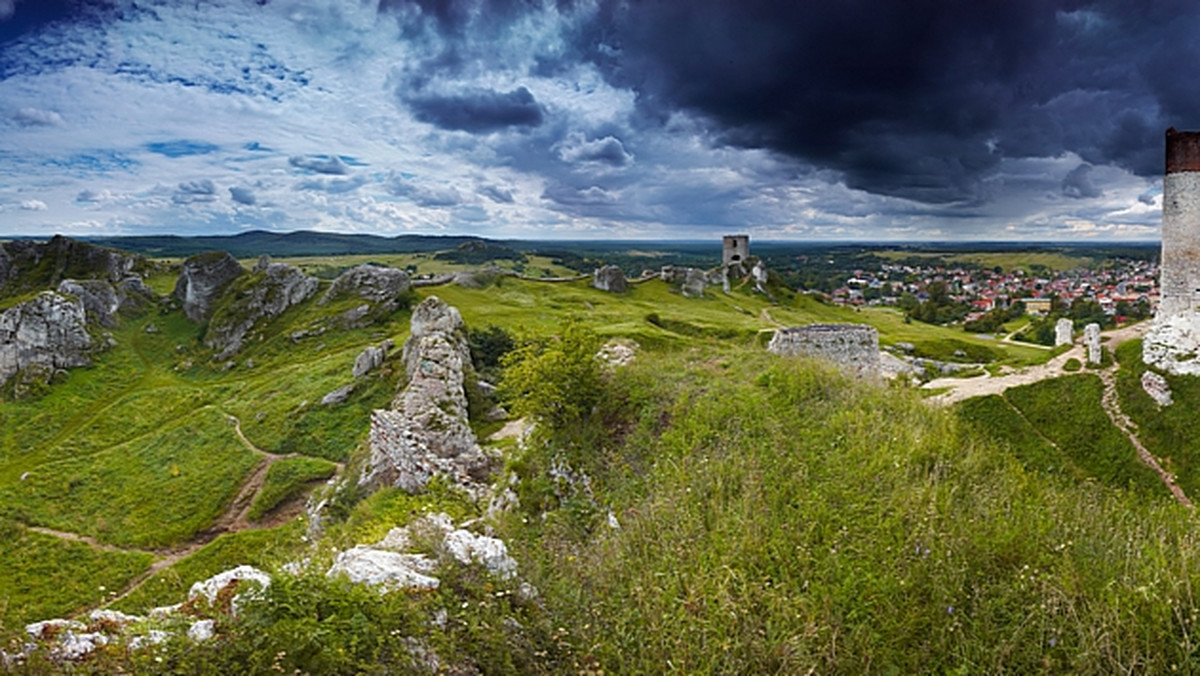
(234, 519)
(958, 389)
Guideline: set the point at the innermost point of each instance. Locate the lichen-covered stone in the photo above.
(49, 331)
(260, 296)
(202, 278)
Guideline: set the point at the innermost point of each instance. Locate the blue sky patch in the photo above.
(181, 148)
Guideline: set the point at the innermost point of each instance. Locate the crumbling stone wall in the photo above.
(854, 347)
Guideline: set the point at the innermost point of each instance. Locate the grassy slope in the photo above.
(47, 577)
(795, 523)
(1169, 433)
(287, 479)
(138, 450)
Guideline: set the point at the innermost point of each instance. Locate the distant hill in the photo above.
(299, 243)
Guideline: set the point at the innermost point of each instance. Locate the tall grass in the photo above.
(797, 523)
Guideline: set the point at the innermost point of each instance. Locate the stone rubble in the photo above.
(276, 288)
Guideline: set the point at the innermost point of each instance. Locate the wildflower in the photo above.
(949, 610)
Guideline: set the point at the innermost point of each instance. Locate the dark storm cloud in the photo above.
(916, 99)
(478, 111)
(1078, 183)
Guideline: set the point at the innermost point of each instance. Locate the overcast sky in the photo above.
(809, 119)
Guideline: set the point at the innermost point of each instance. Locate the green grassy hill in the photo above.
(744, 513)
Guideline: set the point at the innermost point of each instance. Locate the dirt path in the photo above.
(959, 389)
(234, 519)
(1111, 402)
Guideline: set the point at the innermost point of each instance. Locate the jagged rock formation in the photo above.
(48, 332)
(609, 278)
(373, 284)
(426, 432)
(27, 265)
(262, 295)
(103, 300)
(202, 278)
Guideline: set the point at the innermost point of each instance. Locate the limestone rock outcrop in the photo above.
(1158, 388)
(1063, 330)
(260, 296)
(372, 283)
(609, 278)
(49, 331)
(426, 431)
(1091, 340)
(27, 265)
(1173, 344)
(369, 359)
(202, 278)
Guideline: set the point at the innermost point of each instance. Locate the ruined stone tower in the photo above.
(734, 249)
(1180, 281)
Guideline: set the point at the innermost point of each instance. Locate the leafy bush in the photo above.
(555, 381)
(1072, 365)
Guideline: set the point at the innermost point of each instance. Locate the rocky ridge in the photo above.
(264, 294)
(426, 431)
(202, 278)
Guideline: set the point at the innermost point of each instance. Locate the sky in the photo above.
(874, 120)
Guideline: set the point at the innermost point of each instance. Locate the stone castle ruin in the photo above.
(734, 249)
(854, 347)
(1173, 343)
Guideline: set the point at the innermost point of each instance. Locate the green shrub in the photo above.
(1072, 365)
